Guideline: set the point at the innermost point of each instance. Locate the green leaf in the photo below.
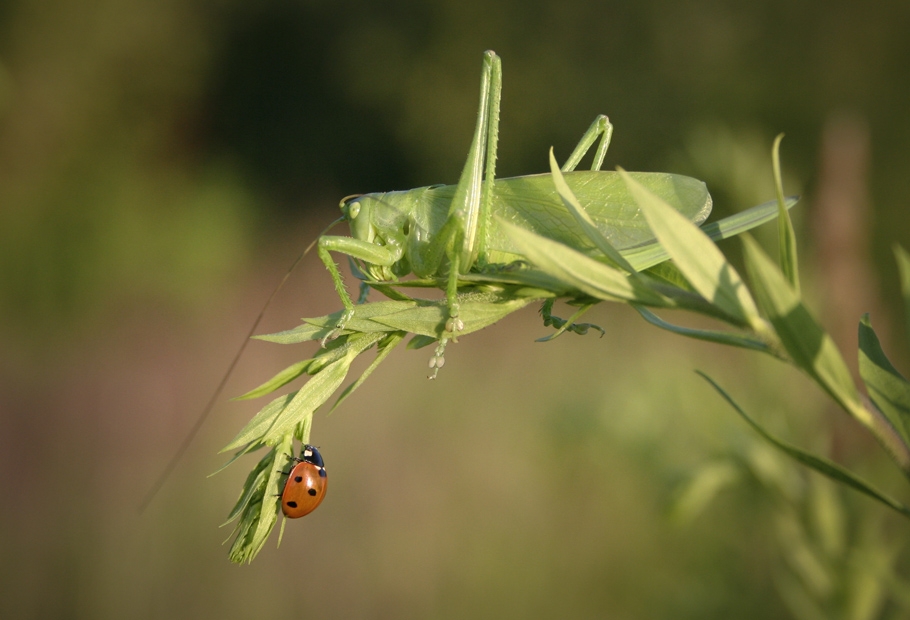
(250, 447)
(888, 389)
(254, 480)
(612, 255)
(318, 327)
(808, 345)
(268, 507)
(385, 347)
(428, 318)
(819, 464)
(668, 273)
(696, 256)
(279, 416)
(527, 281)
(419, 342)
(789, 262)
(240, 549)
(578, 271)
(282, 378)
(256, 427)
(301, 333)
(903, 266)
(653, 253)
(727, 338)
(703, 487)
(316, 391)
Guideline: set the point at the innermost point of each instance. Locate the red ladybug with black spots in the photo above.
(305, 487)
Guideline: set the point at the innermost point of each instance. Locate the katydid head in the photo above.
(379, 234)
(356, 210)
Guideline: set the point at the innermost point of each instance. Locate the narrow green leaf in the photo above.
(528, 281)
(268, 507)
(291, 408)
(653, 253)
(668, 273)
(696, 256)
(364, 319)
(303, 429)
(385, 347)
(744, 221)
(903, 267)
(888, 389)
(727, 338)
(256, 427)
(250, 447)
(819, 464)
(827, 515)
(703, 487)
(316, 391)
(318, 327)
(301, 333)
(578, 271)
(611, 254)
(428, 319)
(420, 341)
(789, 263)
(254, 480)
(284, 522)
(808, 345)
(240, 549)
(282, 378)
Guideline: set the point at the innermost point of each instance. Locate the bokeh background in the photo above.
(163, 162)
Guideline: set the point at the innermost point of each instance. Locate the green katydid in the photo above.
(443, 232)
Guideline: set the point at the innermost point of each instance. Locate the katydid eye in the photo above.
(353, 209)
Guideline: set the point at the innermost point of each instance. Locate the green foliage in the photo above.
(770, 317)
(820, 464)
(500, 245)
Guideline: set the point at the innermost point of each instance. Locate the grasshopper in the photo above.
(441, 233)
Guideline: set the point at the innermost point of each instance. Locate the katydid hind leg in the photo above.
(463, 237)
(463, 232)
(472, 196)
(600, 129)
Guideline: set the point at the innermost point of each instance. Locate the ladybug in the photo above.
(305, 487)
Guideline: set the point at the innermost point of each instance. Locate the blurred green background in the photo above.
(162, 162)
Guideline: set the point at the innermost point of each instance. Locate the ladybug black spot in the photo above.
(298, 478)
(292, 504)
(311, 492)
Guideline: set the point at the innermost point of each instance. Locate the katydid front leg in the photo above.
(384, 255)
